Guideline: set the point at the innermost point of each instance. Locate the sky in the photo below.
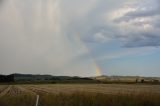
(80, 37)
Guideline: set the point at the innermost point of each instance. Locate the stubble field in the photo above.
(80, 95)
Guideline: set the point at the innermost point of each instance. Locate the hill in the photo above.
(31, 78)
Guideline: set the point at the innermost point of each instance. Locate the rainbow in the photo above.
(98, 71)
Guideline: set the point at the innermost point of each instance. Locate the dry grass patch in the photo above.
(97, 99)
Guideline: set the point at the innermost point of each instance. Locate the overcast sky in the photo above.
(80, 37)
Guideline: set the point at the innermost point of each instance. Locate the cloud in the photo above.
(38, 35)
(35, 38)
(100, 37)
(133, 23)
(140, 25)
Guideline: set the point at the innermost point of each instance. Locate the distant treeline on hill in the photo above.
(7, 78)
(30, 78)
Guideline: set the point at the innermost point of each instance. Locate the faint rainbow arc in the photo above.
(98, 70)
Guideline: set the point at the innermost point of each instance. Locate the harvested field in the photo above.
(80, 95)
(13, 90)
(2, 88)
(98, 88)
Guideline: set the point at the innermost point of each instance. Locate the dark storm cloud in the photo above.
(145, 39)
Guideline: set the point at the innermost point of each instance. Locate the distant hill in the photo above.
(6, 78)
(44, 77)
(127, 78)
(31, 78)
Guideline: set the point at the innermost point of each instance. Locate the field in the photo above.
(80, 95)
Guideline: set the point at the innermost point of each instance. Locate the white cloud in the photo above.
(99, 37)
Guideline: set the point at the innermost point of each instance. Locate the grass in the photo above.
(81, 95)
(17, 100)
(96, 99)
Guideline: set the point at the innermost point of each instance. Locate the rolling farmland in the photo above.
(58, 94)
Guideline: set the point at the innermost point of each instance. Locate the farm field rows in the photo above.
(95, 94)
(98, 88)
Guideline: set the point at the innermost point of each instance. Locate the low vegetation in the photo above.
(80, 95)
(83, 99)
(17, 100)
(96, 99)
